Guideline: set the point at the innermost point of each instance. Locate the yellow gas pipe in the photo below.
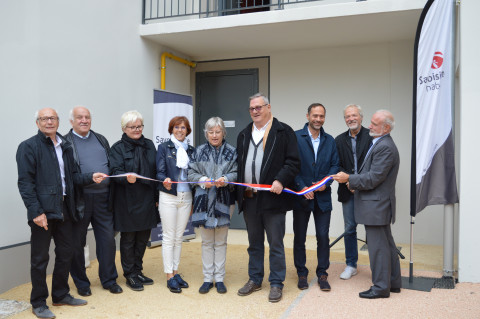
(163, 66)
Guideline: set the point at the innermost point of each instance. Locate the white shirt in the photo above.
(58, 150)
(315, 142)
(258, 134)
(82, 137)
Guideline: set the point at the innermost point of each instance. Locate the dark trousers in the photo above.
(132, 249)
(322, 226)
(273, 224)
(40, 239)
(384, 261)
(96, 212)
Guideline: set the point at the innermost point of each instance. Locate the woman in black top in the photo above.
(135, 200)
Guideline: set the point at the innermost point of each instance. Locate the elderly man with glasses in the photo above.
(267, 154)
(46, 178)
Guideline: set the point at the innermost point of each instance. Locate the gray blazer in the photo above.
(374, 184)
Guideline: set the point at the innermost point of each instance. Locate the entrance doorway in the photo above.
(225, 94)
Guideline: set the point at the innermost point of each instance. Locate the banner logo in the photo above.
(437, 60)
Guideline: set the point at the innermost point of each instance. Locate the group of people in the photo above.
(68, 182)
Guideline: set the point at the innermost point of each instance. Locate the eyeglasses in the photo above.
(257, 108)
(135, 128)
(180, 128)
(48, 118)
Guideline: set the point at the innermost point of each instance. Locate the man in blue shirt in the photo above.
(319, 158)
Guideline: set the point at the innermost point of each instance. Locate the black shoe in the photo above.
(302, 283)
(395, 290)
(144, 279)
(205, 287)
(134, 283)
(275, 294)
(370, 294)
(221, 289)
(173, 285)
(85, 292)
(182, 283)
(115, 289)
(323, 283)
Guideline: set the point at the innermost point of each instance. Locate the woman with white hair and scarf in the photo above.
(173, 157)
(214, 164)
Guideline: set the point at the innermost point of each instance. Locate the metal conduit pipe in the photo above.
(163, 66)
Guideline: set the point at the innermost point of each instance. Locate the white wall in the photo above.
(469, 217)
(374, 76)
(64, 53)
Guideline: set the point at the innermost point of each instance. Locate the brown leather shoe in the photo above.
(275, 294)
(323, 283)
(249, 287)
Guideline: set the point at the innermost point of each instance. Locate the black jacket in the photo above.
(39, 180)
(344, 148)
(280, 162)
(167, 165)
(133, 204)
(79, 199)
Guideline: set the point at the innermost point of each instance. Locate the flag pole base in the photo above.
(418, 283)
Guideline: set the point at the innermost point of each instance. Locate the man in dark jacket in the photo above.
(90, 152)
(46, 178)
(352, 147)
(267, 154)
(319, 159)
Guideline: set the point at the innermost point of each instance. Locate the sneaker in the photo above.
(205, 287)
(43, 312)
(144, 279)
(348, 272)
(302, 283)
(248, 288)
(70, 301)
(182, 283)
(323, 283)
(173, 285)
(221, 289)
(275, 294)
(134, 283)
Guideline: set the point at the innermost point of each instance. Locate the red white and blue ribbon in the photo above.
(258, 187)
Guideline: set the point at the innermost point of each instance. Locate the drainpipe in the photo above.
(163, 66)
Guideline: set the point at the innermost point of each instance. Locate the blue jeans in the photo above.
(322, 225)
(350, 239)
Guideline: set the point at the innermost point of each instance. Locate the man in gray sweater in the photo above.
(90, 152)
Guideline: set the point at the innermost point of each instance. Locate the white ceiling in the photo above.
(259, 34)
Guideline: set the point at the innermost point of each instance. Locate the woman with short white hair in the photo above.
(214, 163)
(134, 200)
